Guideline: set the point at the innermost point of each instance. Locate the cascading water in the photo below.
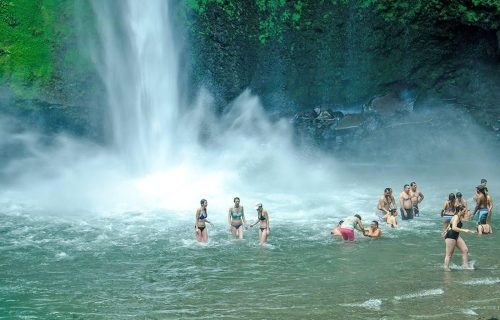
(139, 66)
(184, 152)
(142, 261)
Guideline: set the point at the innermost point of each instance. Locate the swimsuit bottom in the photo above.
(416, 211)
(483, 214)
(236, 226)
(347, 234)
(408, 211)
(452, 235)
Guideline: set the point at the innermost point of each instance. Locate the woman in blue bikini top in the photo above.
(200, 226)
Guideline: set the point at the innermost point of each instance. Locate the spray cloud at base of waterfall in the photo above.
(168, 155)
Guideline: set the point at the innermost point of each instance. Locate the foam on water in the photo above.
(420, 294)
(372, 304)
(480, 282)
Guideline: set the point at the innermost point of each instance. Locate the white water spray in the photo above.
(167, 156)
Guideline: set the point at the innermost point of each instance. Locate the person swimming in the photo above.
(373, 231)
(484, 229)
(336, 230)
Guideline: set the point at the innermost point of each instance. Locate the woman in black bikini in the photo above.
(200, 226)
(452, 239)
(263, 219)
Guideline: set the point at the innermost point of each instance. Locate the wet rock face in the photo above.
(327, 126)
(349, 55)
(395, 132)
(389, 103)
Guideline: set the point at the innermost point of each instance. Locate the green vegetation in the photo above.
(25, 41)
(30, 35)
(482, 13)
(274, 17)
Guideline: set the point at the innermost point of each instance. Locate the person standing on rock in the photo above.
(416, 198)
(406, 206)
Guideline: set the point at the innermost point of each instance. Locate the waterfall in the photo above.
(138, 62)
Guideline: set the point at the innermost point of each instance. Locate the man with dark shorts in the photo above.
(405, 204)
(416, 198)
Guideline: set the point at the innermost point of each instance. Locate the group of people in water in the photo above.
(236, 221)
(409, 200)
(454, 210)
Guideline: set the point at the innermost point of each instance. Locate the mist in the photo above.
(167, 154)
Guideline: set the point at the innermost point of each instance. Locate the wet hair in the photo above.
(340, 222)
(406, 185)
(375, 222)
(357, 216)
(201, 202)
(234, 200)
(483, 190)
(387, 189)
(484, 181)
(459, 194)
(413, 183)
(451, 199)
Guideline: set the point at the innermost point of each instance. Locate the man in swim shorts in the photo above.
(416, 198)
(406, 206)
(482, 205)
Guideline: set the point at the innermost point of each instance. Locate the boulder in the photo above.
(389, 103)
